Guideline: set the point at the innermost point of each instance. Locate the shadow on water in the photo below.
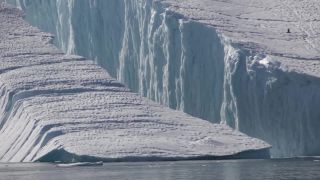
(60, 155)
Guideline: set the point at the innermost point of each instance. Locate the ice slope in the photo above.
(226, 61)
(57, 107)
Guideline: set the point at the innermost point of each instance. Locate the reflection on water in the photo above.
(218, 170)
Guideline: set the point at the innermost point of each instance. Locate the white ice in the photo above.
(204, 57)
(62, 107)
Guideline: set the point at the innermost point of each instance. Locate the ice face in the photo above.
(57, 107)
(228, 63)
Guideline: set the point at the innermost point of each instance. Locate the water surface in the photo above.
(217, 170)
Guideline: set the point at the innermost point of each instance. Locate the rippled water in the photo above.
(224, 170)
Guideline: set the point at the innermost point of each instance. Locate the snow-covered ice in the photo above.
(226, 61)
(57, 107)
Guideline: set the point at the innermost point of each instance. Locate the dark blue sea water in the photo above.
(303, 169)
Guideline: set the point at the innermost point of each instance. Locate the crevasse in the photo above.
(188, 66)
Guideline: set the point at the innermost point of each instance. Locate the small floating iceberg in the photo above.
(77, 164)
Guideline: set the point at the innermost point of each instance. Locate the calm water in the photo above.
(224, 170)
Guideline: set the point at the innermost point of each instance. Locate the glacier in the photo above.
(224, 61)
(58, 107)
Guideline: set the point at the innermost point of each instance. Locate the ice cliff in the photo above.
(57, 107)
(229, 62)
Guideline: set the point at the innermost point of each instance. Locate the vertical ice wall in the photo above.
(266, 101)
(153, 51)
(188, 66)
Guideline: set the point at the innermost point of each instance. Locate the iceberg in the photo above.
(78, 164)
(228, 62)
(63, 108)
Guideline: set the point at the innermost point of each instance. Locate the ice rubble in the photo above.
(57, 107)
(226, 61)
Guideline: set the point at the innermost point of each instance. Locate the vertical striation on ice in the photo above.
(193, 56)
(57, 107)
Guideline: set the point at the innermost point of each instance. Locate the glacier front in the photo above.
(57, 107)
(226, 61)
